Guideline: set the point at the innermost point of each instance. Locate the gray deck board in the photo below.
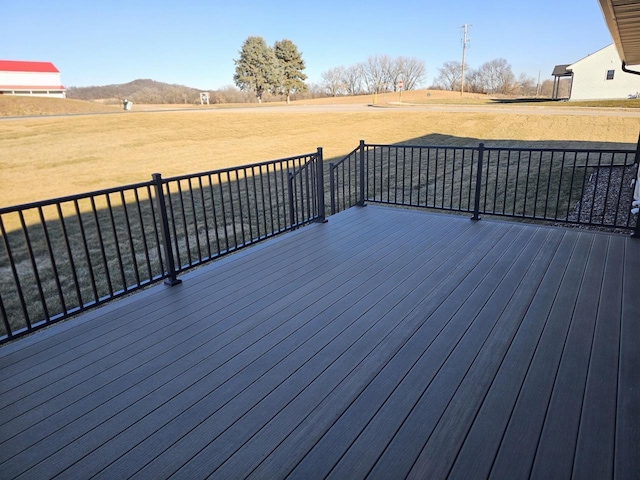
(425, 361)
(443, 444)
(293, 341)
(478, 451)
(425, 298)
(627, 460)
(518, 447)
(328, 380)
(557, 443)
(599, 411)
(344, 305)
(386, 343)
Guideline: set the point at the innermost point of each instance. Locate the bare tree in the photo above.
(390, 72)
(379, 73)
(372, 75)
(352, 79)
(449, 76)
(473, 82)
(333, 81)
(376, 74)
(526, 85)
(231, 94)
(497, 76)
(412, 72)
(315, 90)
(546, 89)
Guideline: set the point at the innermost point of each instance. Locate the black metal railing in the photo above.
(572, 186)
(62, 256)
(213, 213)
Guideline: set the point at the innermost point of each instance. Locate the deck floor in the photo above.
(385, 344)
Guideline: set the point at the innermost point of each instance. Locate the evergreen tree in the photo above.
(291, 66)
(257, 68)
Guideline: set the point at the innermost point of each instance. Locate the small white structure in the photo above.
(40, 79)
(599, 76)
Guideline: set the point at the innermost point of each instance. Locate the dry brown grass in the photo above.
(49, 157)
(410, 96)
(24, 106)
(18, 106)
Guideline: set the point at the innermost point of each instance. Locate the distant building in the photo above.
(559, 72)
(599, 76)
(39, 79)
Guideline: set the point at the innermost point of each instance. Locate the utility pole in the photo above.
(465, 42)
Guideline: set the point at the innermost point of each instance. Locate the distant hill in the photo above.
(138, 91)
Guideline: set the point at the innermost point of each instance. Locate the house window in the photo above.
(610, 74)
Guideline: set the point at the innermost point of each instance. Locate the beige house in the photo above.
(599, 76)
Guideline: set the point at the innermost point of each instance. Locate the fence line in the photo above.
(62, 256)
(571, 186)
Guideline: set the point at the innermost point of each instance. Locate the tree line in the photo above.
(492, 77)
(278, 70)
(269, 73)
(378, 74)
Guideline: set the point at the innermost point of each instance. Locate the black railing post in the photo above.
(332, 188)
(320, 180)
(362, 184)
(636, 231)
(5, 320)
(476, 204)
(164, 230)
(292, 212)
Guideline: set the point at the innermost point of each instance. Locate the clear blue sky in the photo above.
(194, 43)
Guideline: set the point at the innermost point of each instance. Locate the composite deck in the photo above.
(386, 344)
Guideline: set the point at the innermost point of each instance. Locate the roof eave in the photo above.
(625, 33)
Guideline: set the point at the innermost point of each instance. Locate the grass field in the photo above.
(43, 158)
(22, 106)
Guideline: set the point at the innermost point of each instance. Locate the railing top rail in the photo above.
(239, 167)
(560, 150)
(301, 168)
(352, 152)
(512, 149)
(445, 147)
(70, 198)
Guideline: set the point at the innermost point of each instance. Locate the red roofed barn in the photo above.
(40, 79)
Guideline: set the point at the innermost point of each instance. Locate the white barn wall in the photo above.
(39, 79)
(590, 77)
